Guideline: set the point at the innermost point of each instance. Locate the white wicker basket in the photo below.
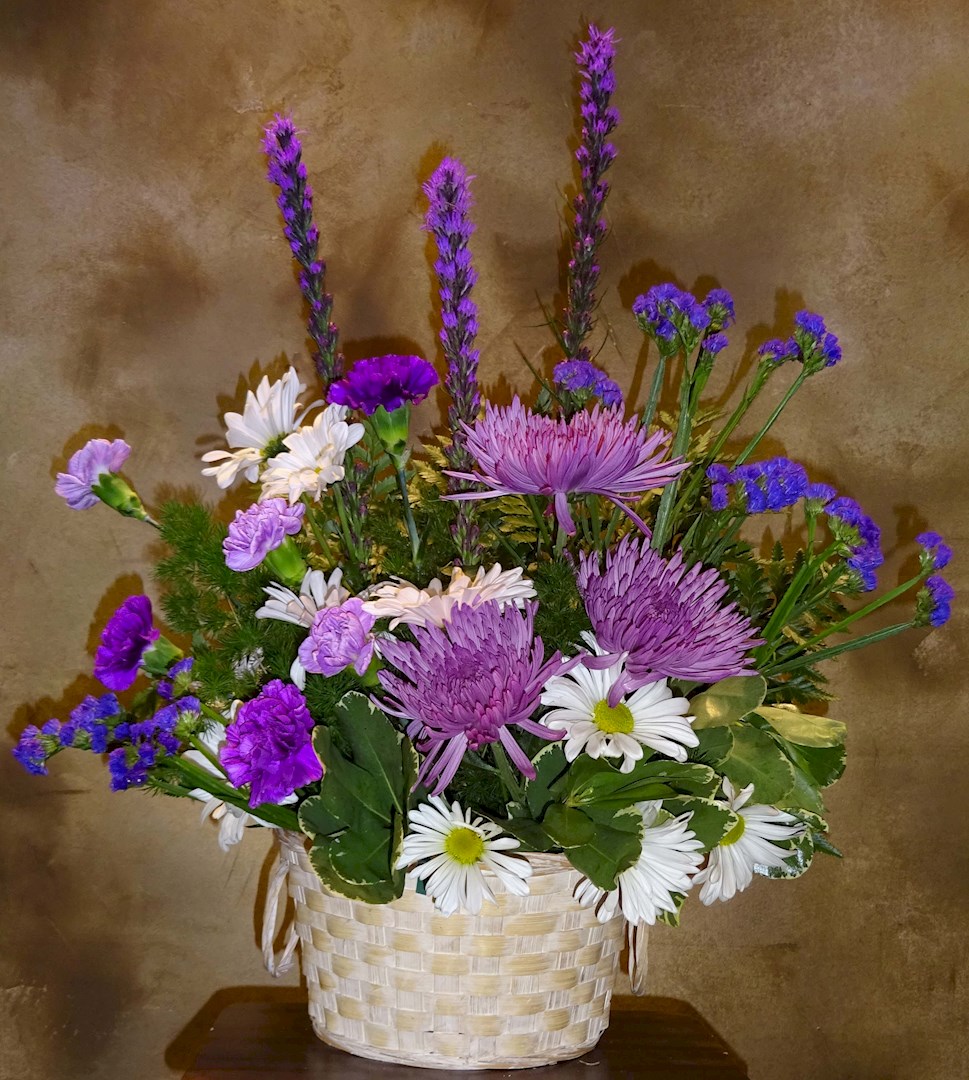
(524, 984)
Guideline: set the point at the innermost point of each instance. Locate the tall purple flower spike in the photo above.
(449, 196)
(284, 150)
(669, 620)
(594, 155)
(466, 684)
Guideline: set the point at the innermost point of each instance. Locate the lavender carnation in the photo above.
(463, 686)
(268, 745)
(128, 633)
(390, 381)
(259, 529)
(670, 620)
(96, 457)
(340, 636)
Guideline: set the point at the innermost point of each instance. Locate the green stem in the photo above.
(539, 519)
(789, 599)
(655, 389)
(415, 543)
(836, 650)
(781, 406)
(197, 744)
(341, 511)
(197, 776)
(506, 772)
(862, 613)
(681, 442)
(213, 714)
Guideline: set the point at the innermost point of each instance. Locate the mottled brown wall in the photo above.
(795, 153)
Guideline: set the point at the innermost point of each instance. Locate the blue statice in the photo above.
(852, 526)
(144, 742)
(817, 496)
(941, 595)
(89, 726)
(669, 314)
(764, 486)
(583, 379)
(936, 554)
(778, 351)
(715, 343)
(720, 307)
(178, 680)
(818, 347)
(31, 751)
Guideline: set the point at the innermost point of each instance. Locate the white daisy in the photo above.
(452, 850)
(730, 867)
(650, 716)
(267, 415)
(313, 458)
(670, 856)
(402, 602)
(317, 591)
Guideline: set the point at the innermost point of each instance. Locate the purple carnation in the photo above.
(268, 745)
(937, 551)
(128, 633)
(340, 636)
(465, 684)
(670, 620)
(96, 457)
(261, 528)
(598, 453)
(390, 381)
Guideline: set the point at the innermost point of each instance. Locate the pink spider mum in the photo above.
(518, 452)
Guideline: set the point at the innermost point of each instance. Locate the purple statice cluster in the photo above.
(258, 530)
(668, 620)
(464, 685)
(519, 452)
(145, 742)
(672, 315)
(384, 381)
(855, 528)
(934, 604)
(812, 345)
(126, 637)
(268, 745)
(594, 155)
(771, 485)
(90, 727)
(178, 681)
(295, 199)
(936, 553)
(584, 381)
(448, 220)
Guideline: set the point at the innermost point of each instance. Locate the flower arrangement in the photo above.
(552, 628)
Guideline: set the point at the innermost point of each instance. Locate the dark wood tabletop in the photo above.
(654, 1038)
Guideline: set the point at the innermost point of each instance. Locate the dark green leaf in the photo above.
(756, 759)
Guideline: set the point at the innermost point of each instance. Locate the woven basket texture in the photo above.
(523, 984)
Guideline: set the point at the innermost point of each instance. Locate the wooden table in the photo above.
(653, 1038)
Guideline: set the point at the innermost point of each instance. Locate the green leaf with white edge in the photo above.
(550, 764)
(374, 743)
(372, 893)
(823, 764)
(567, 826)
(363, 856)
(728, 701)
(595, 782)
(803, 728)
(672, 918)
(715, 745)
(533, 836)
(756, 759)
(802, 852)
(612, 849)
(710, 820)
(823, 844)
(804, 795)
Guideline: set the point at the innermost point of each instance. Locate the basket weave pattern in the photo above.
(524, 984)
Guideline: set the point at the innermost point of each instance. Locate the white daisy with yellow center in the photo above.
(450, 851)
(649, 717)
(730, 866)
(670, 856)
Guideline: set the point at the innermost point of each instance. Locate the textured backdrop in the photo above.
(808, 155)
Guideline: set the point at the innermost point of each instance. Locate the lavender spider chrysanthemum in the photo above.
(464, 685)
(518, 452)
(669, 620)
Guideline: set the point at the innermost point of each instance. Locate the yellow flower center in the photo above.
(464, 845)
(735, 833)
(616, 720)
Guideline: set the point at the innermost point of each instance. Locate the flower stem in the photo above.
(681, 442)
(836, 650)
(506, 772)
(198, 777)
(781, 406)
(415, 542)
(783, 610)
(197, 744)
(654, 391)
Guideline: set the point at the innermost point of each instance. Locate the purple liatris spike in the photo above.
(465, 684)
(287, 171)
(449, 196)
(594, 155)
(671, 621)
(518, 452)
